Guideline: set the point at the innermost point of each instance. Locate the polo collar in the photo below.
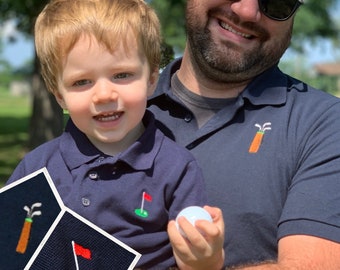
(76, 148)
(269, 88)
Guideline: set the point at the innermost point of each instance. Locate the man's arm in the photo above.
(303, 252)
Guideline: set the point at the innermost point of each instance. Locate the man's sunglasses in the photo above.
(279, 10)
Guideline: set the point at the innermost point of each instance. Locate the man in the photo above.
(267, 143)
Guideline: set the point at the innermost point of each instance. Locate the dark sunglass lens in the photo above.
(277, 9)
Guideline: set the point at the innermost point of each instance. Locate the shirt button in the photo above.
(93, 175)
(85, 201)
(100, 159)
(188, 118)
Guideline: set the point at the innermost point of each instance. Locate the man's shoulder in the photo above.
(308, 95)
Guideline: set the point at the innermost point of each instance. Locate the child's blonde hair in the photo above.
(62, 22)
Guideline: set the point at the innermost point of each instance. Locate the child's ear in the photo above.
(60, 100)
(153, 80)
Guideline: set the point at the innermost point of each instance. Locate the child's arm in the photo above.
(203, 248)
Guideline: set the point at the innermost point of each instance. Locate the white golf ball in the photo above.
(193, 213)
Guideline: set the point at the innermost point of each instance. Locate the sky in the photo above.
(16, 53)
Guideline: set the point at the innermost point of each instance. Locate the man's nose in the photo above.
(247, 10)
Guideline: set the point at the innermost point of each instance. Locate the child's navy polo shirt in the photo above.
(271, 161)
(132, 195)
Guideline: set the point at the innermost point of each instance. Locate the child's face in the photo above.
(106, 93)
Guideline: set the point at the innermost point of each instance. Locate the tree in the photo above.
(314, 21)
(172, 18)
(47, 117)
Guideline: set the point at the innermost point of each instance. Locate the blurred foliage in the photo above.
(5, 73)
(314, 21)
(14, 118)
(172, 18)
(168, 54)
(297, 68)
(25, 13)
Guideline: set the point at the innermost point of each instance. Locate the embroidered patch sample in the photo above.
(75, 243)
(58, 238)
(29, 208)
(26, 229)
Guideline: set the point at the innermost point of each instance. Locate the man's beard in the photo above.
(228, 63)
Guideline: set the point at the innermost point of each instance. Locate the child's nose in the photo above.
(104, 92)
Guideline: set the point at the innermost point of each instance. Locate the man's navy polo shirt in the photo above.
(108, 190)
(271, 161)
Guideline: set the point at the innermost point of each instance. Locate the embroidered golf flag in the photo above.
(141, 211)
(147, 196)
(78, 250)
(81, 251)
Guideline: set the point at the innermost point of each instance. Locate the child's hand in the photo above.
(203, 246)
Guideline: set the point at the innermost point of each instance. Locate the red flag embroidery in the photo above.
(147, 196)
(81, 251)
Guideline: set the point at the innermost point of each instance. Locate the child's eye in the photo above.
(122, 76)
(82, 82)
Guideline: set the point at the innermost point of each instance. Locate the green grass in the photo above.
(14, 119)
